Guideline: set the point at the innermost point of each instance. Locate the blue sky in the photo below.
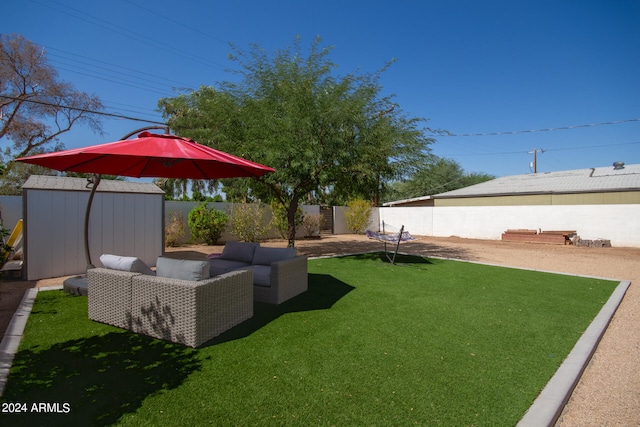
(489, 69)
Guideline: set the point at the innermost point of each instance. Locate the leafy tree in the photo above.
(15, 176)
(319, 131)
(436, 177)
(201, 190)
(280, 218)
(36, 106)
(177, 189)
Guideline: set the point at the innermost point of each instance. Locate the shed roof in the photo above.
(42, 182)
(591, 180)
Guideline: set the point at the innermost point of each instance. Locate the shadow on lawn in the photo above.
(100, 378)
(401, 259)
(324, 291)
(95, 381)
(327, 247)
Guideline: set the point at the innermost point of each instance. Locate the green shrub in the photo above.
(358, 215)
(207, 224)
(248, 221)
(175, 230)
(312, 224)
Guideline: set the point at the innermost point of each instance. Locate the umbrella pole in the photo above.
(96, 181)
(87, 253)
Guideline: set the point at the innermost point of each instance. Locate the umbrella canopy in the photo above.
(153, 156)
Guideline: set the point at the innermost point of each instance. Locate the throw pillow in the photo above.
(125, 263)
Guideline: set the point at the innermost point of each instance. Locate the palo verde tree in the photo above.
(436, 176)
(36, 107)
(289, 110)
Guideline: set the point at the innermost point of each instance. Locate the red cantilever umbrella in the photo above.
(149, 155)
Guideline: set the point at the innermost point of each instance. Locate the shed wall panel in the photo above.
(74, 212)
(128, 224)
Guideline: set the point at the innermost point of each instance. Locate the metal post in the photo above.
(93, 182)
(94, 186)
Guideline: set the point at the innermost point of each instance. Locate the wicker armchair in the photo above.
(190, 312)
(288, 278)
(109, 298)
(182, 311)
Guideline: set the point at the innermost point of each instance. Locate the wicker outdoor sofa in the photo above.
(189, 312)
(279, 274)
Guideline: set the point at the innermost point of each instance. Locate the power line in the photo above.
(181, 24)
(100, 113)
(541, 130)
(110, 76)
(118, 106)
(115, 79)
(550, 149)
(592, 146)
(93, 20)
(99, 61)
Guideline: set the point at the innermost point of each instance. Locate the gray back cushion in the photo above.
(265, 256)
(182, 269)
(239, 251)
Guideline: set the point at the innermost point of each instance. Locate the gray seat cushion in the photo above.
(219, 266)
(261, 274)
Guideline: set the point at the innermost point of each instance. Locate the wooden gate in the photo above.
(327, 213)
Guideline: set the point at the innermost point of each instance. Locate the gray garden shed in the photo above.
(127, 218)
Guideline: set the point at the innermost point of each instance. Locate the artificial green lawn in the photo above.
(427, 342)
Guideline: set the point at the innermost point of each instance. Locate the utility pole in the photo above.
(534, 164)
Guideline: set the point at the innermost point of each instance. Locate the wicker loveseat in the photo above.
(189, 312)
(278, 273)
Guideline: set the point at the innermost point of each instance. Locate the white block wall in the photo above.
(618, 223)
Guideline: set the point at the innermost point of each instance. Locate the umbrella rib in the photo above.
(145, 167)
(82, 163)
(204, 175)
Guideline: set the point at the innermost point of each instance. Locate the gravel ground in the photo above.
(608, 393)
